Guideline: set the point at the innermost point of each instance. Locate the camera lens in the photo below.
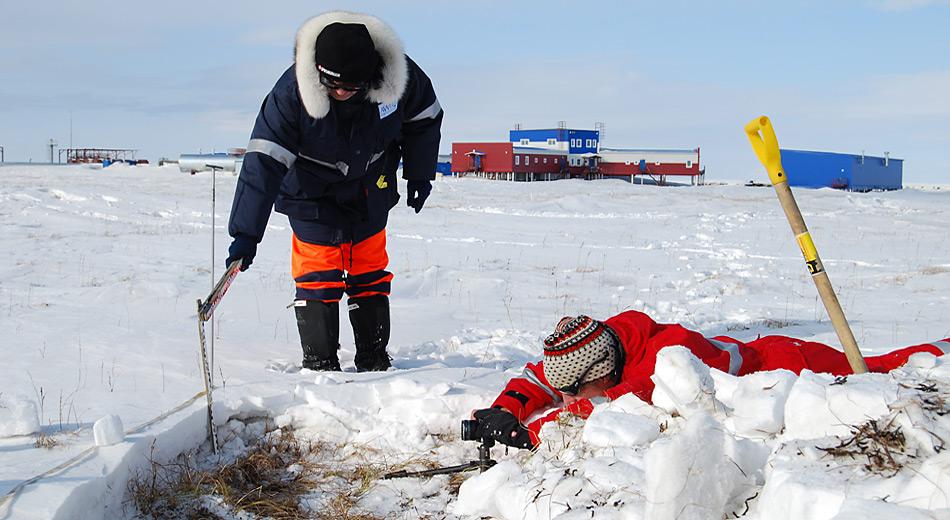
(469, 427)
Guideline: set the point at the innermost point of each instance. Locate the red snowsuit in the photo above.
(642, 338)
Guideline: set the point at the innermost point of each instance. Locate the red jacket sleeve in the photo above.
(527, 393)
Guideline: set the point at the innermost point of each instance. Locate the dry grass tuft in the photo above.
(881, 443)
(45, 441)
(932, 400)
(934, 269)
(258, 483)
(455, 482)
(276, 479)
(768, 323)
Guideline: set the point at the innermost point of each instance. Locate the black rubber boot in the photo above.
(370, 319)
(319, 327)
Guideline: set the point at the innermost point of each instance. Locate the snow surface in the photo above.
(18, 416)
(108, 431)
(100, 271)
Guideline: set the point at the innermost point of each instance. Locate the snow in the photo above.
(605, 428)
(701, 472)
(18, 416)
(108, 431)
(100, 270)
(816, 407)
(758, 403)
(683, 383)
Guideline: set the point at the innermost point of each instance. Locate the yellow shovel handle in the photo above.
(762, 136)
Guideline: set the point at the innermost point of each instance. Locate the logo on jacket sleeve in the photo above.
(381, 182)
(386, 110)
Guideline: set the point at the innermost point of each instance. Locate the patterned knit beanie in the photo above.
(579, 344)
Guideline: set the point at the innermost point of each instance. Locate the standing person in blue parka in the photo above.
(324, 151)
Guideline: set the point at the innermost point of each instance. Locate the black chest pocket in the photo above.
(314, 176)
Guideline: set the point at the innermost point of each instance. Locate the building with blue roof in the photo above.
(810, 169)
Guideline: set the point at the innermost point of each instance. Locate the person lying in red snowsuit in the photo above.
(586, 358)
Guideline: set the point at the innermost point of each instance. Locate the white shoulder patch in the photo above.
(388, 109)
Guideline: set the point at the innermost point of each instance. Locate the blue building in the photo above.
(567, 140)
(444, 164)
(843, 171)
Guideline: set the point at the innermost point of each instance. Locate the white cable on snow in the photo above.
(11, 495)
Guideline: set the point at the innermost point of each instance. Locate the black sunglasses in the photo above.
(333, 84)
(575, 387)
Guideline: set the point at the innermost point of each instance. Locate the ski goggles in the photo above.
(334, 84)
(575, 387)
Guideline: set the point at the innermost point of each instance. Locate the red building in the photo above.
(656, 164)
(506, 161)
(559, 153)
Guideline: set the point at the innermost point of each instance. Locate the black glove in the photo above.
(419, 191)
(243, 247)
(503, 427)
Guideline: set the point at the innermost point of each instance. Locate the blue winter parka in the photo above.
(300, 163)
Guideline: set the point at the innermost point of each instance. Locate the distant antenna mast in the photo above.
(517, 126)
(52, 146)
(561, 125)
(601, 128)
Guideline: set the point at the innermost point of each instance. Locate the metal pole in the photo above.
(762, 136)
(214, 179)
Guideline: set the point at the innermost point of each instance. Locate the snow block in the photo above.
(683, 383)
(922, 360)
(701, 472)
(616, 429)
(476, 494)
(863, 509)
(927, 487)
(108, 431)
(803, 481)
(759, 403)
(726, 386)
(797, 490)
(18, 416)
(818, 406)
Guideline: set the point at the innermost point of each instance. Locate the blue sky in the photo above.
(174, 77)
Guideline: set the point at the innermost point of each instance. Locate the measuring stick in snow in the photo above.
(205, 313)
(764, 143)
(217, 293)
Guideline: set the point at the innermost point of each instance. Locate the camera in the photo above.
(469, 429)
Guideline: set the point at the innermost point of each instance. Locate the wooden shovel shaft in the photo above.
(762, 137)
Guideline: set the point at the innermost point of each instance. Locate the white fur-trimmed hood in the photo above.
(315, 97)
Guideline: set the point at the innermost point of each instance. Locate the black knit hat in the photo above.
(345, 52)
(581, 350)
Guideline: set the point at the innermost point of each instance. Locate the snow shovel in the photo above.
(205, 313)
(762, 136)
